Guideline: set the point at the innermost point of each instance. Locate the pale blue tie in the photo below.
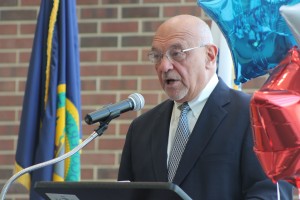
(181, 137)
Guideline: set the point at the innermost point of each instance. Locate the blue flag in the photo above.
(51, 116)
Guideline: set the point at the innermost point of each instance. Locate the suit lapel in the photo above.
(209, 119)
(159, 141)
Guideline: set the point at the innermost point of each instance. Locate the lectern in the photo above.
(110, 191)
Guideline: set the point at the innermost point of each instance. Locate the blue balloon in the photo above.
(256, 33)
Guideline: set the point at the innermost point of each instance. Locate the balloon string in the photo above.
(298, 186)
(278, 191)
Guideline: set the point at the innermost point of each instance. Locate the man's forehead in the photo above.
(174, 39)
(171, 46)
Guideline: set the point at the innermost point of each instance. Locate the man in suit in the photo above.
(218, 161)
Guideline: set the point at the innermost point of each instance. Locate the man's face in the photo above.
(181, 80)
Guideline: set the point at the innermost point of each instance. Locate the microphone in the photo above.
(134, 102)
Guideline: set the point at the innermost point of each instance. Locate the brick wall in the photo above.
(114, 38)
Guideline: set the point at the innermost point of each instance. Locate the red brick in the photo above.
(13, 72)
(27, 28)
(9, 129)
(87, 130)
(87, 27)
(7, 159)
(119, 1)
(124, 128)
(16, 43)
(151, 26)
(96, 158)
(170, 11)
(6, 173)
(107, 174)
(151, 84)
(86, 173)
(21, 85)
(30, 2)
(24, 57)
(18, 15)
(87, 2)
(119, 27)
(99, 70)
(8, 3)
(162, 1)
(6, 145)
(110, 144)
(12, 100)
(8, 29)
(19, 113)
(97, 99)
(99, 41)
(125, 55)
(88, 85)
(118, 84)
(6, 86)
(138, 70)
(140, 12)
(88, 56)
(97, 13)
(8, 57)
(7, 115)
(136, 41)
(151, 99)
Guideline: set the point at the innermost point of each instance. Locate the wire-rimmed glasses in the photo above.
(173, 54)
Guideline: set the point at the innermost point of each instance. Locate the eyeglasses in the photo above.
(173, 54)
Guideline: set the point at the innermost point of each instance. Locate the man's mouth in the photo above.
(170, 81)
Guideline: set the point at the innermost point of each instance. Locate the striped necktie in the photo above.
(180, 140)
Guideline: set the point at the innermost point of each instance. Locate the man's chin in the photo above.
(178, 97)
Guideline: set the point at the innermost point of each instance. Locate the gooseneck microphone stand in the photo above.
(97, 132)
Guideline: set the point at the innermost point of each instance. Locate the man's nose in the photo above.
(165, 64)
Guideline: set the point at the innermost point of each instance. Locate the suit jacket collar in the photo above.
(159, 140)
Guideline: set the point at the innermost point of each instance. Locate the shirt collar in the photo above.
(202, 96)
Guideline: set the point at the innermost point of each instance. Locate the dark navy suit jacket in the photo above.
(218, 163)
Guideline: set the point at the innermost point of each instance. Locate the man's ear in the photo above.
(212, 52)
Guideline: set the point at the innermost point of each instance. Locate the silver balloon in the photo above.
(291, 15)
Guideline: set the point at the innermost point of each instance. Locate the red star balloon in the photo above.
(275, 118)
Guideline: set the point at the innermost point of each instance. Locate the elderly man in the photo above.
(200, 138)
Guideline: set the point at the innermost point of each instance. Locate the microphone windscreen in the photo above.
(138, 101)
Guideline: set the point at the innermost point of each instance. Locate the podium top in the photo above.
(110, 191)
